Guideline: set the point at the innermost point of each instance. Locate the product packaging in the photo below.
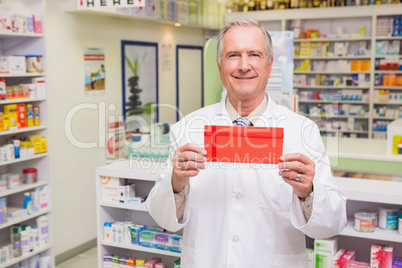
(43, 227)
(324, 250)
(110, 189)
(3, 92)
(40, 86)
(3, 182)
(3, 210)
(107, 261)
(175, 243)
(381, 256)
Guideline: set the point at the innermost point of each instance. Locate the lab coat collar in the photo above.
(270, 113)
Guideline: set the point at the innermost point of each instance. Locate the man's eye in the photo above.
(255, 55)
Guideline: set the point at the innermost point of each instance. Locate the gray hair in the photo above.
(243, 21)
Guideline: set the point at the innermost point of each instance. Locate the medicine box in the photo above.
(135, 233)
(162, 241)
(394, 136)
(13, 64)
(3, 210)
(175, 243)
(311, 260)
(381, 256)
(324, 251)
(110, 189)
(126, 192)
(147, 238)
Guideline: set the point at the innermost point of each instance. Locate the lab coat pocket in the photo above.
(294, 261)
(275, 194)
(188, 260)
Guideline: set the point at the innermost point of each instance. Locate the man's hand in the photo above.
(298, 170)
(187, 162)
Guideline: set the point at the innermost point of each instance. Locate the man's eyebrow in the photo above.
(256, 52)
(232, 52)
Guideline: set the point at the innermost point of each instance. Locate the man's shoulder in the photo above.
(206, 111)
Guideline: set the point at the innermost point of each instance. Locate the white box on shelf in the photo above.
(40, 86)
(16, 64)
(394, 136)
(110, 189)
(324, 251)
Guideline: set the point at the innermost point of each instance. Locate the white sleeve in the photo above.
(328, 217)
(161, 201)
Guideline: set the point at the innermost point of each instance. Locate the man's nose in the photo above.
(244, 64)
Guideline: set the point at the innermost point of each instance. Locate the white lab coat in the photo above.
(245, 215)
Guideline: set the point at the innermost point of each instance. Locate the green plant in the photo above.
(135, 65)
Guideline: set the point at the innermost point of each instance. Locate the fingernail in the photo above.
(282, 158)
(204, 159)
(204, 152)
(280, 165)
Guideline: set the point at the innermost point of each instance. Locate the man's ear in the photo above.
(219, 68)
(270, 67)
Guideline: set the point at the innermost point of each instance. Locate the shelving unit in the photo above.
(29, 255)
(326, 20)
(26, 44)
(144, 174)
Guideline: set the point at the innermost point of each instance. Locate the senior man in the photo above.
(242, 215)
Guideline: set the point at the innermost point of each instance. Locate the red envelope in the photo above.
(260, 145)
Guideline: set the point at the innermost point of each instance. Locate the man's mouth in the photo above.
(244, 78)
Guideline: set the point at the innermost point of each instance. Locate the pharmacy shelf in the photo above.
(4, 34)
(378, 234)
(331, 72)
(113, 14)
(386, 56)
(22, 219)
(23, 188)
(22, 130)
(123, 206)
(383, 118)
(144, 169)
(331, 58)
(331, 87)
(388, 88)
(344, 131)
(333, 101)
(23, 159)
(13, 101)
(335, 116)
(24, 257)
(387, 103)
(388, 72)
(388, 37)
(22, 75)
(142, 249)
(333, 39)
(366, 190)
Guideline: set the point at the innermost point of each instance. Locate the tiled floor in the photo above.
(87, 259)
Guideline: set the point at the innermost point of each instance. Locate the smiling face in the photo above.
(244, 68)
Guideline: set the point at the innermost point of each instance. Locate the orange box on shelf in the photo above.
(234, 144)
(355, 65)
(2, 125)
(365, 66)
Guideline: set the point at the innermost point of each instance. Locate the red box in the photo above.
(21, 115)
(236, 144)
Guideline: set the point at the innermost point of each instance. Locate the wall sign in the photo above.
(94, 4)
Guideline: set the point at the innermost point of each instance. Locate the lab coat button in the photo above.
(238, 196)
(235, 239)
